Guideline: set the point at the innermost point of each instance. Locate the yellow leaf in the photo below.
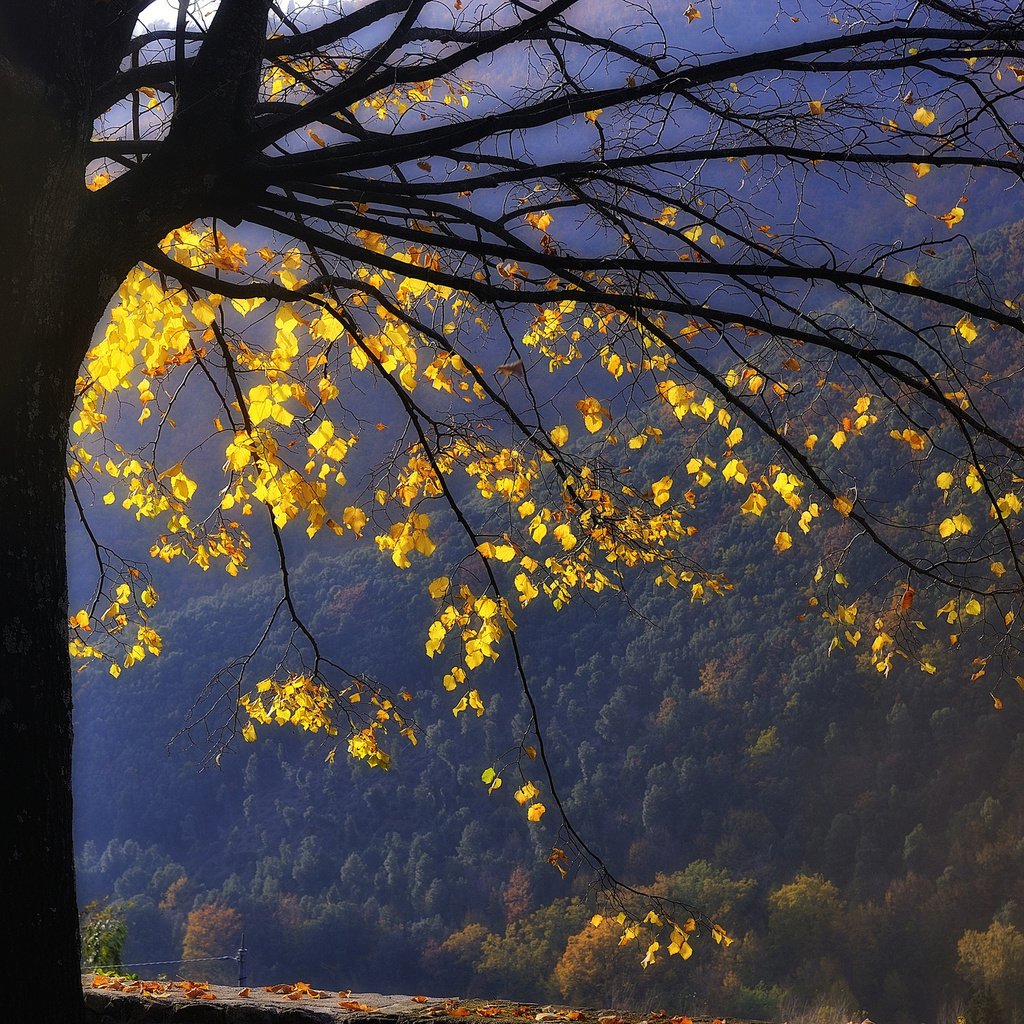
(323, 434)
(847, 614)
(526, 792)
(355, 519)
(816, 107)
(594, 414)
(952, 218)
(661, 490)
(249, 733)
(962, 523)
(921, 169)
(839, 439)
(476, 703)
(372, 240)
(649, 958)
(181, 486)
(783, 541)
(535, 811)
(438, 587)
(944, 480)
(910, 278)
(923, 116)
(966, 329)
(527, 590)
(540, 221)
(593, 115)
(559, 435)
(954, 524)
(842, 505)
(754, 505)
(911, 437)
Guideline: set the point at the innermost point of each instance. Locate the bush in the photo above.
(104, 931)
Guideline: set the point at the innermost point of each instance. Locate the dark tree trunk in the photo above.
(54, 281)
(40, 911)
(52, 298)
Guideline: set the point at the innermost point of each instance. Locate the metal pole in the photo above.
(241, 963)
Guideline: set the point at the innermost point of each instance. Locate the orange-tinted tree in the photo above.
(212, 932)
(452, 201)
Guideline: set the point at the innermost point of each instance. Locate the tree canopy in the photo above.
(416, 265)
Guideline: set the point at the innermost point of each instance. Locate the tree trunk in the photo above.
(52, 301)
(40, 910)
(54, 287)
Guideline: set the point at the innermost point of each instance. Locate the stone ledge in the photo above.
(123, 1002)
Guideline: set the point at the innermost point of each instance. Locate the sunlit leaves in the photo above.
(540, 221)
(910, 437)
(560, 435)
(953, 525)
(594, 414)
(406, 537)
(181, 486)
(661, 491)
(966, 329)
(754, 505)
(526, 793)
(471, 700)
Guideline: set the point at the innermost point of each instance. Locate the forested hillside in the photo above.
(858, 832)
